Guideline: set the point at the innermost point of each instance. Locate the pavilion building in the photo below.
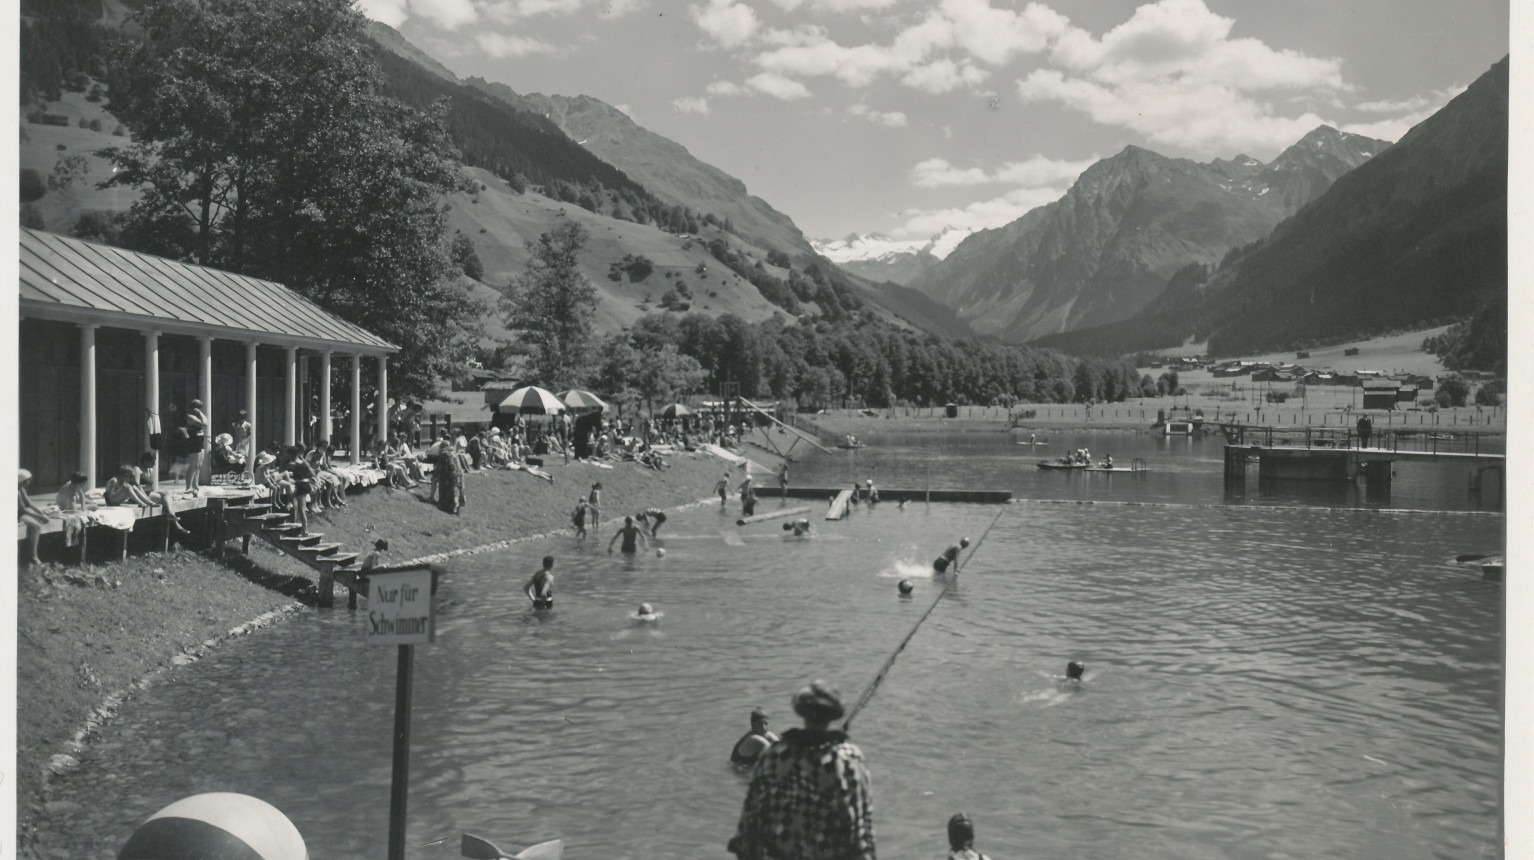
(112, 341)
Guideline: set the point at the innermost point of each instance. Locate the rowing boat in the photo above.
(1064, 467)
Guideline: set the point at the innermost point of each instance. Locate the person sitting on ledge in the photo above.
(72, 496)
(125, 490)
(30, 515)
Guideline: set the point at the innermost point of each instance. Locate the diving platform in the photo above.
(1297, 463)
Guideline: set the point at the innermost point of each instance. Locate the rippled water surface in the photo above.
(1261, 682)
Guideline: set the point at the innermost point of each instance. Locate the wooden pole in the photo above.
(399, 788)
(88, 407)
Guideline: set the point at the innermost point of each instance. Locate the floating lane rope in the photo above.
(868, 692)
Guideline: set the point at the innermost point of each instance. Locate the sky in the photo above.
(904, 117)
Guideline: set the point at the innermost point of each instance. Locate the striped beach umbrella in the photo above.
(582, 400)
(675, 410)
(531, 400)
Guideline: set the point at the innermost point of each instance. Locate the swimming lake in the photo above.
(1292, 672)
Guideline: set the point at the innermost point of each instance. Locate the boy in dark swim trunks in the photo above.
(578, 517)
(540, 588)
(629, 532)
(652, 517)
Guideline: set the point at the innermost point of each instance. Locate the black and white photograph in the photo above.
(768, 429)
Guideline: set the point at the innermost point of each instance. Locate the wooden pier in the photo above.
(1325, 463)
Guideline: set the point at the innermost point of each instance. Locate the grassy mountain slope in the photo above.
(1417, 234)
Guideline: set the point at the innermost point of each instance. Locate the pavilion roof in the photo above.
(74, 280)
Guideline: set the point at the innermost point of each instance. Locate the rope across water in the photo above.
(868, 692)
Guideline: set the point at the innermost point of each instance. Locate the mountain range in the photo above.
(1109, 246)
(883, 258)
(1414, 236)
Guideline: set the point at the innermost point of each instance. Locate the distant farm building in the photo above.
(1380, 393)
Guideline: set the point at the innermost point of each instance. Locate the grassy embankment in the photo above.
(91, 635)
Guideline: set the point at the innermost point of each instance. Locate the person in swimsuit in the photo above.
(654, 518)
(800, 528)
(28, 513)
(753, 743)
(540, 588)
(950, 557)
(196, 436)
(594, 504)
(723, 489)
(961, 839)
(629, 532)
(578, 517)
(1074, 670)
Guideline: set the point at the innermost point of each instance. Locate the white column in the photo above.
(152, 390)
(302, 400)
(205, 387)
(289, 398)
(383, 400)
(325, 424)
(356, 441)
(88, 403)
(250, 403)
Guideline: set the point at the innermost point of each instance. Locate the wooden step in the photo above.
(300, 540)
(350, 568)
(320, 548)
(341, 558)
(284, 527)
(265, 518)
(256, 506)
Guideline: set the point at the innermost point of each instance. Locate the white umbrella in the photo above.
(531, 400)
(578, 399)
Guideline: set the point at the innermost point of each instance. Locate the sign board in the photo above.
(400, 608)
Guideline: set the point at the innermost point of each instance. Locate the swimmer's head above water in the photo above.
(1074, 670)
(906, 586)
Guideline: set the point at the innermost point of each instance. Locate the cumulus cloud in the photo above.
(619, 8)
(729, 23)
(1172, 73)
(943, 50)
(689, 104)
(1036, 172)
(501, 46)
(941, 76)
(893, 119)
(391, 12)
(778, 86)
(982, 215)
(726, 88)
(938, 173)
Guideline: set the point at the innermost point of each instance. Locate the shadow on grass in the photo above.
(297, 587)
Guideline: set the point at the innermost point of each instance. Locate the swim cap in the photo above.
(23, 475)
(646, 609)
(660, 552)
(818, 702)
(906, 587)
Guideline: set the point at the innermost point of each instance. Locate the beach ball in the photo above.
(219, 826)
(661, 552)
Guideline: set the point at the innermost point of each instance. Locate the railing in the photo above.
(1396, 441)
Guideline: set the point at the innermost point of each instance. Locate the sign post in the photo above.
(401, 612)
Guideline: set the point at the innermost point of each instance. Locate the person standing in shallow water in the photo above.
(755, 742)
(630, 534)
(540, 588)
(809, 795)
(961, 839)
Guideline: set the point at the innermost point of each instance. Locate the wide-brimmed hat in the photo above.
(819, 701)
(23, 475)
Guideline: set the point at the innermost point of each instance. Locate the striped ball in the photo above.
(219, 826)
